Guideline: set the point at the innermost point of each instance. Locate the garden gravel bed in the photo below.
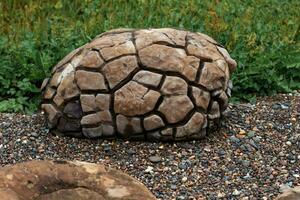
(254, 155)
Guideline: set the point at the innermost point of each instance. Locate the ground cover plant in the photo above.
(262, 35)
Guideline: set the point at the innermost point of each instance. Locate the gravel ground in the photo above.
(255, 155)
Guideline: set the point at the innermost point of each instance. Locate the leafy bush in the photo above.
(262, 35)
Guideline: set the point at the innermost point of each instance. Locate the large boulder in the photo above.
(140, 84)
(52, 180)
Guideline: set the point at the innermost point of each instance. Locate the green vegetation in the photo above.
(262, 35)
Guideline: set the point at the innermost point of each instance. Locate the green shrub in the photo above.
(262, 35)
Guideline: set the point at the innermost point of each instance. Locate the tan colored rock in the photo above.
(214, 112)
(148, 78)
(109, 41)
(91, 60)
(66, 90)
(232, 63)
(175, 108)
(171, 59)
(193, 126)
(44, 84)
(135, 99)
(52, 113)
(49, 93)
(39, 180)
(69, 125)
(146, 37)
(174, 86)
(212, 77)
(102, 101)
(90, 80)
(117, 70)
(118, 50)
(290, 194)
(167, 132)
(61, 74)
(202, 98)
(176, 36)
(223, 101)
(88, 102)
(128, 125)
(153, 122)
(96, 118)
(206, 37)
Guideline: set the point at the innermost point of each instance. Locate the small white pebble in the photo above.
(289, 143)
(149, 169)
(184, 179)
(296, 175)
(236, 192)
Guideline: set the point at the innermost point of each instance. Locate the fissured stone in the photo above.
(153, 122)
(147, 78)
(193, 126)
(117, 70)
(66, 90)
(128, 125)
(174, 86)
(90, 80)
(39, 180)
(95, 118)
(103, 101)
(91, 60)
(201, 97)
(214, 112)
(61, 74)
(167, 132)
(49, 93)
(135, 99)
(118, 50)
(212, 77)
(73, 110)
(144, 38)
(206, 37)
(201, 48)
(88, 102)
(44, 84)
(176, 36)
(175, 108)
(109, 41)
(52, 114)
(167, 58)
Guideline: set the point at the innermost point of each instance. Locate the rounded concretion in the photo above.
(52, 180)
(155, 84)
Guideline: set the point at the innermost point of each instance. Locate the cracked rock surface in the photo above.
(114, 85)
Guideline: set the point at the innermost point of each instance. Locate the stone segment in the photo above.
(212, 77)
(223, 101)
(170, 59)
(167, 132)
(232, 63)
(214, 112)
(73, 110)
(68, 125)
(148, 78)
(92, 132)
(193, 126)
(118, 50)
(66, 180)
(109, 41)
(176, 36)
(174, 86)
(61, 74)
(128, 125)
(90, 80)
(66, 90)
(175, 108)
(202, 98)
(45, 83)
(96, 118)
(52, 114)
(91, 60)
(146, 37)
(117, 70)
(206, 37)
(102, 101)
(135, 99)
(153, 122)
(49, 93)
(88, 102)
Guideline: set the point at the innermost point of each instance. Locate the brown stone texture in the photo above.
(175, 108)
(167, 58)
(117, 70)
(53, 180)
(202, 97)
(135, 99)
(160, 84)
(290, 194)
(90, 80)
(153, 122)
(147, 78)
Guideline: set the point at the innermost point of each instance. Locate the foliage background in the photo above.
(262, 35)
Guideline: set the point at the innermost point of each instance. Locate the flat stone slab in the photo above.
(52, 180)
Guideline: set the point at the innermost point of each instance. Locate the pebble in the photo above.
(289, 143)
(251, 134)
(149, 169)
(155, 159)
(236, 192)
(184, 179)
